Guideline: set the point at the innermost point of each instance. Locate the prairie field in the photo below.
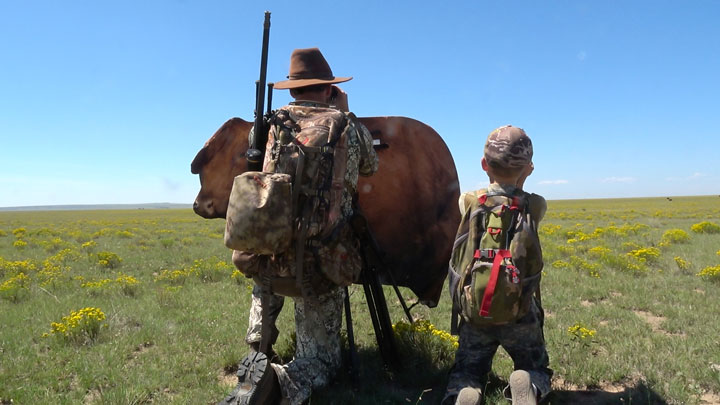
(144, 306)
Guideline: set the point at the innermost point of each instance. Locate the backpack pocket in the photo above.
(491, 301)
(259, 215)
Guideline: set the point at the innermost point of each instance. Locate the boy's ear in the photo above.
(484, 164)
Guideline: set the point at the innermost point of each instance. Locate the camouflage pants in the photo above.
(317, 353)
(255, 322)
(523, 341)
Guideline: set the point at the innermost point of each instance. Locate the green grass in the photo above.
(178, 339)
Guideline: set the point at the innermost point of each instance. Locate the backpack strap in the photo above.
(500, 255)
(470, 206)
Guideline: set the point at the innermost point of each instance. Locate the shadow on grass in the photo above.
(639, 394)
(415, 382)
(418, 381)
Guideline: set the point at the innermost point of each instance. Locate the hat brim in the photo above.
(294, 84)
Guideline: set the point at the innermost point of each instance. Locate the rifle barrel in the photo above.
(260, 93)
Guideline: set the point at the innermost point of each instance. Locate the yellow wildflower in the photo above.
(711, 273)
(682, 263)
(579, 331)
(705, 227)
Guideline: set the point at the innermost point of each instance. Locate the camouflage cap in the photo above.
(508, 147)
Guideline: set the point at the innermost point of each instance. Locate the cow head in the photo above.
(218, 162)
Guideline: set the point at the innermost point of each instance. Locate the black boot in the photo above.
(257, 382)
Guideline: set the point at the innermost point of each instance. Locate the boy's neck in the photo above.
(502, 185)
(511, 181)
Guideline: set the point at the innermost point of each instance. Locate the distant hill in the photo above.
(80, 207)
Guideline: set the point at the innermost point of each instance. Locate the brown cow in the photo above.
(410, 202)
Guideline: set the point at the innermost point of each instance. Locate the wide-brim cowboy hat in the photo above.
(308, 67)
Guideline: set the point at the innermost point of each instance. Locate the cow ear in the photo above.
(199, 161)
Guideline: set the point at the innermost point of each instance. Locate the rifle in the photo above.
(255, 156)
(256, 153)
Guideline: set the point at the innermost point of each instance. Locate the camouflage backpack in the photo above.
(309, 145)
(296, 202)
(496, 260)
(300, 191)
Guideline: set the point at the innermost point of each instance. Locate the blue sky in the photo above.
(108, 102)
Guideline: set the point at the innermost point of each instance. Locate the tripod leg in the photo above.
(380, 319)
(353, 360)
(384, 321)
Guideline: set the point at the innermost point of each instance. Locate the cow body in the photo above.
(410, 202)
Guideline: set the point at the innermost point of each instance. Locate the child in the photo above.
(508, 161)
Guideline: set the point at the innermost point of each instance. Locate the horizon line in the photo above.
(57, 207)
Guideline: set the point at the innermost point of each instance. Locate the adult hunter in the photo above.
(315, 152)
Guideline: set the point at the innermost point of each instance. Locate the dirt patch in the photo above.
(615, 294)
(610, 387)
(74, 382)
(699, 291)
(710, 398)
(91, 396)
(140, 350)
(559, 383)
(586, 303)
(227, 379)
(620, 386)
(649, 317)
(599, 351)
(655, 322)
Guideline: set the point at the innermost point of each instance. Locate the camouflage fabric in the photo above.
(362, 160)
(254, 330)
(508, 147)
(259, 216)
(538, 205)
(317, 354)
(522, 340)
(337, 256)
(361, 156)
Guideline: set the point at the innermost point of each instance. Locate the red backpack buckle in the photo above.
(494, 231)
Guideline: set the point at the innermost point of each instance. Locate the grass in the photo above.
(176, 335)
